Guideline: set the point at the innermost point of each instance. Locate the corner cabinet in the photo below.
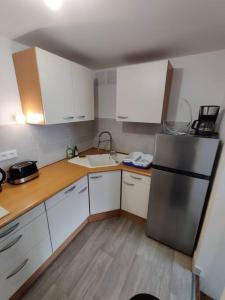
(143, 92)
(104, 190)
(53, 89)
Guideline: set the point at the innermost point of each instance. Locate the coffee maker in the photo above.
(205, 125)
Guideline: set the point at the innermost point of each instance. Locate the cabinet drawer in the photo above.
(13, 278)
(14, 247)
(66, 192)
(135, 178)
(20, 222)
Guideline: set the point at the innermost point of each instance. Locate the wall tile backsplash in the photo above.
(46, 144)
(129, 137)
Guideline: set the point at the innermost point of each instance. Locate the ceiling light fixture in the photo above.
(53, 4)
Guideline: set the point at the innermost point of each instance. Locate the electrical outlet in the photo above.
(8, 155)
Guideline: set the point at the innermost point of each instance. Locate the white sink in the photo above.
(98, 160)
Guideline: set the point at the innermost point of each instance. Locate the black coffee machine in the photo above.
(205, 125)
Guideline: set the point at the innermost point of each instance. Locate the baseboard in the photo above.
(204, 296)
(21, 291)
(133, 217)
(104, 215)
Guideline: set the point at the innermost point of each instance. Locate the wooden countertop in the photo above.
(18, 199)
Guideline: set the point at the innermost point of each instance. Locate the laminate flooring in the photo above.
(114, 260)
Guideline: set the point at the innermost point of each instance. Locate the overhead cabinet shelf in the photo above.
(53, 89)
(143, 92)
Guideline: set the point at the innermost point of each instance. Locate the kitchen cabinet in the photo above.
(24, 248)
(67, 210)
(48, 89)
(83, 92)
(143, 92)
(135, 194)
(104, 189)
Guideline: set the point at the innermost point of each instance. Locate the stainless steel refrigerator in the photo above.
(183, 167)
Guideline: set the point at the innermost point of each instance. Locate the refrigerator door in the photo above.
(187, 153)
(175, 208)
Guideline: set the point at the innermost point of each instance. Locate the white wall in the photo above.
(9, 94)
(210, 254)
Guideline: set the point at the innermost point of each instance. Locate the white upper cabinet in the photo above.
(56, 87)
(53, 89)
(143, 92)
(83, 92)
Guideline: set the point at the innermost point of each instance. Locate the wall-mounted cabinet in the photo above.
(143, 92)
(53, 89)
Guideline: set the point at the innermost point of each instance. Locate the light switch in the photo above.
(8, 155)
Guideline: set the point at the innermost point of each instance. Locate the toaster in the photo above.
(22, 172)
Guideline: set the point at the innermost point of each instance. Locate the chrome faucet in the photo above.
(106, 140)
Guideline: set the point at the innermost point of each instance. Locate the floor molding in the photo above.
(133, 217)
(104, 215)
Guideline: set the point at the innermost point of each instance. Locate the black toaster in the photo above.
(22, 172)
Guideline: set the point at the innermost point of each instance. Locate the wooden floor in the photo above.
(114, 260)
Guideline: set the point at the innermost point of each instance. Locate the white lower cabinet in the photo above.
(104, 188)
(67, 210)
(135, 193)
(24, 247)
(11, 280)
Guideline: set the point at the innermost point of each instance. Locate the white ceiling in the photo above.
(104, 33)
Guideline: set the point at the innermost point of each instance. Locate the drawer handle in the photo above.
(81, 117)
(10, 244)
(82, 190)
(96, 177)
(134, 177)
(20, 267)
(70, 190)
(8, 231)
(68, 118)
(127, 183)
(122, 117)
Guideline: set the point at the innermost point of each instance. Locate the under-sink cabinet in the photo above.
(135, 193)
(67, 210)
(104, 189)
(53, 90)
(24, 246)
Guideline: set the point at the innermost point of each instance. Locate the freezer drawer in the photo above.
(175, 208)
(186, 153)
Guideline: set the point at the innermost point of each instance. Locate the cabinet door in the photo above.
(68, 213)
(104, 190)
(56, 87)
(135, 194)
(141, 91)
(19, 273)
(83, 92)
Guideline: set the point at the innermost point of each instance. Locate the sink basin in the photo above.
(98, 160)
